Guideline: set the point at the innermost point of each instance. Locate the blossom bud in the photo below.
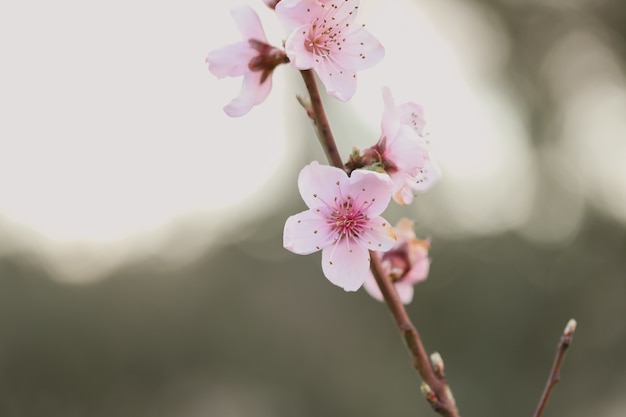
(570, 328)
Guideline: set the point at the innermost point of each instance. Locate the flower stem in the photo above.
(318, 114)
(441, 400)
(554, 377)
(438, 394)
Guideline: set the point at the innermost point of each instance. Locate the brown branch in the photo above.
(554, 377)
(434, 386)
(318, 114)
(435, 389)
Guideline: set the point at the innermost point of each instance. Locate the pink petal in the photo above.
(407, 150)
(412, 115)
(428, 176)
(391, 120)
(404, 195)
(295, 47)
(295, 13)
(320, 184)
(346, 264)
(306, 232)
(418, 273)
(405, 292)
(360, 50)
(252, 93)
(372, 288)
(373, 190)
(339, 82)
(230, 60)
(248, 23)
(379, 236)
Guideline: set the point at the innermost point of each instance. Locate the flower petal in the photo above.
(427, 176)
(306, 232)
(338, 81)
(252, 92)
(379, 236)
(320, 184)
(412, 115)
(346, 264)
(230, 60)
(372, 288)
(373, 190)
(248, 23)
(360, 50)
(391, 120)
(405, 292)
(295, 13)
(295, 48)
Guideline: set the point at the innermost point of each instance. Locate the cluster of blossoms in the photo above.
(343, 219)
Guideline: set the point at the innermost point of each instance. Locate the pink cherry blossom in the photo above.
(402, 150)
(325, 38)
(406, 264)
(343, 221)
(253, 58)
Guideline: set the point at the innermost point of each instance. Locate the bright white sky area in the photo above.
(112, 130)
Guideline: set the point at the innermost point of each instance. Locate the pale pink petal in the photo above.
(295, 13)
(405, 230)
(319, 184)
(412, 115)
(295, 48)
(379, 236)
(418, 273)
(372, 288)
(426, 177)
(391, 120)
(306, 232)
(361, 50)
(405, 292)
(252, 93)
(230, 60)
(346, 264)
(404, 195)
(373, 188)
(248, 23)
(338, 81)
(406, 150)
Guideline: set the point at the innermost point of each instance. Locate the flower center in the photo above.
(348, 221)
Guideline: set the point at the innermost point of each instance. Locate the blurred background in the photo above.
(141, 263)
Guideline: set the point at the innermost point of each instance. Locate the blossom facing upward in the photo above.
(324, 38)
(253, 58)
(343, 221)
(402, 151)
(406, 264)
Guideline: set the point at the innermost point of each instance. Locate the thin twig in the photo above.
(436, 390)
(434, 387)
(325, 135)
(554, 377)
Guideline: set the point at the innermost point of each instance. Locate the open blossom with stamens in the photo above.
(253, 58)
(406, 264)
(325, 38)
(343, 221)
(402, 152)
